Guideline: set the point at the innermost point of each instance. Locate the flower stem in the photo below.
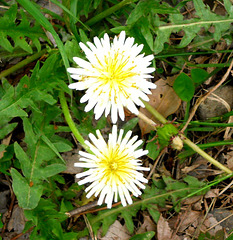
(22, 63)
(155, 113)
(70, 122)
(108, 12)
(192, 145)
(204, 154)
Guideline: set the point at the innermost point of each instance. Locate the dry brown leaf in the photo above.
(116, 232)
(164, 231)
(148, 225)
(187, 169)
(191, 200)
(17, 220)
(192, 218)
(212, 193)
(209, 222)
(6, 142)
(71, 158)
(229, 157)
(163, 99)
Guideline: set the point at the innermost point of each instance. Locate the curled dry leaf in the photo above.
(164, 232)
(163, 99)
(115, 232)
(148, 225)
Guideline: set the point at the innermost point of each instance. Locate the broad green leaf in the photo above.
(72, 49)
(165, 133)
(144, 8)
(62, 146)
(8, 128)
(31, 137)
(28, 195)
(184, 87)
(25, 162)
(143, 236)
(127, 215)
(52, 170)
(153, 148)
(229, 7)
(191, 27)
(51, 145)
(199, 75)
(107, 222)
(129, 125)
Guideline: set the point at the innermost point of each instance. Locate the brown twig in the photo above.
(203, 98)
(155, 164)
(21, 234)
(82, 209)
(8, 214)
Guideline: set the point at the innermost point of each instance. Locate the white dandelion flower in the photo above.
(113, 167)
(114, 76)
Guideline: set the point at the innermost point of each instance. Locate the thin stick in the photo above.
(203, 98)
(82, 209)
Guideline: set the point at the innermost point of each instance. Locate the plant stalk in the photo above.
(70, 122)
(155, 113)
(204, 154)
(192, 145)
(22, 63)
(108, 12)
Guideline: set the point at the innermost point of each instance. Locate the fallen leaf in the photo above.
(17, 220)
(212, 193)
(163, 99)
(148, 225)
(164, 232)
(6, 142)
(116, 232)
(71, 157)
(191, 218)
(229, 157)
(191, 200)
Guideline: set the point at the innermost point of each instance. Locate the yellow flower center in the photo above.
(115, 165)
(115, 73)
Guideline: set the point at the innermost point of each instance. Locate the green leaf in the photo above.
(52, 169)
(144, 8)
(72, 49)
(127, 214)
(153, 148)
(28, 196)
(19, 32)
(107, 222)
(129, 125)
(24, 160)
(191, 27)
(62, 146)
(143, 236)
(30, 137)
(31, 8)
(8, 128)
(165, 133)
(199, 75)
(184, 87)
(51, 145)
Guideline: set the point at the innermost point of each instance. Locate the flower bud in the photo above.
(177, 143)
